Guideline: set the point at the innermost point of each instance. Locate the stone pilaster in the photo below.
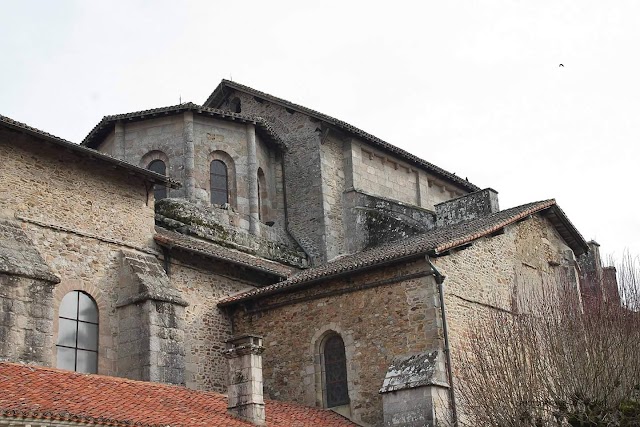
(119, 150)
(189, 156)
(254, 217)
(245, 395)
(151, 322)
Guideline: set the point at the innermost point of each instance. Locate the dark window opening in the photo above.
(77, 347)
(235, 105)
(335, 371)
(219, 183)
(159, 191)
(259, 202)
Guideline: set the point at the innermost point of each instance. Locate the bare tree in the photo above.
(566, 361)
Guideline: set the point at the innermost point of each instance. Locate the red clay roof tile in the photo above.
(53, 394)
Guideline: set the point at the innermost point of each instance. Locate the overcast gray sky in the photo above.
(472, 86)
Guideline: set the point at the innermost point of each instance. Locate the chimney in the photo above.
(465, 208)
(245, 396)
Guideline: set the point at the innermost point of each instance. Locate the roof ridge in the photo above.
(350, 128)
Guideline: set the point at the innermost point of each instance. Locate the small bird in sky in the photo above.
(561, 65)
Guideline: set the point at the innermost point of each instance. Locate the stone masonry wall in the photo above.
(207, 327)
(333, 187)
(497, 272)
(465, 208)
(376, 324)
(371, 220)
(26, 319)
(302, 171)
(163, 135)
(79, 215)
(386, 176)
(214, 136)
(61, 188)
(382, 175)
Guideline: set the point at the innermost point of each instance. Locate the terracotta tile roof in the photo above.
(435, 241)
(218, 95)
(105, 125)
(171, 239)
(55, 395)
(88, 152)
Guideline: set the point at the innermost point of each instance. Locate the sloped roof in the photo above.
(105, 125)
(219, 94)
(171, 239)
(88, 152)
(436, 241)
(56, 395)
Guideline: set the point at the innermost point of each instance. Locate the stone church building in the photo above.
(256, 248)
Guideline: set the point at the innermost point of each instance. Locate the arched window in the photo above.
(159, 191)
(219, 183)
(262, 195)
(336, 390)
(78, 333)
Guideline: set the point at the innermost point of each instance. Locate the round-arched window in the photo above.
(159, 191)
(219, 183)
(335, 371)
(77, 346)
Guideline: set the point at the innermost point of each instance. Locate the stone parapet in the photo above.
(468, 207)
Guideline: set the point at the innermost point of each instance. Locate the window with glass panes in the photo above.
(335, 372)
(219, 183)
(77, 347)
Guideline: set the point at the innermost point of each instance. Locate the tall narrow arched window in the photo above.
(336, 390)
(159, 191)
(262, 195)
(77, 346)
(219, 183)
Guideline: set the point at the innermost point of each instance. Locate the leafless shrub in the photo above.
(566, 361)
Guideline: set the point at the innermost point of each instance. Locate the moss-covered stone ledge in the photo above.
(223, 226)
(377, 220)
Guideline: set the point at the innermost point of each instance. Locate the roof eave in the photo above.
(172, 246)
(567, 230)
(311, 282)
(93, 154)
(108, 122)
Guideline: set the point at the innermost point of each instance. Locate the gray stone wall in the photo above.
(418, 407)
(333, 187)
(151, 327)
(202, 284)
(151, 342)
(164, 135)
(302, 172)
(26, 319)
(371, 221)
(465, 208)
